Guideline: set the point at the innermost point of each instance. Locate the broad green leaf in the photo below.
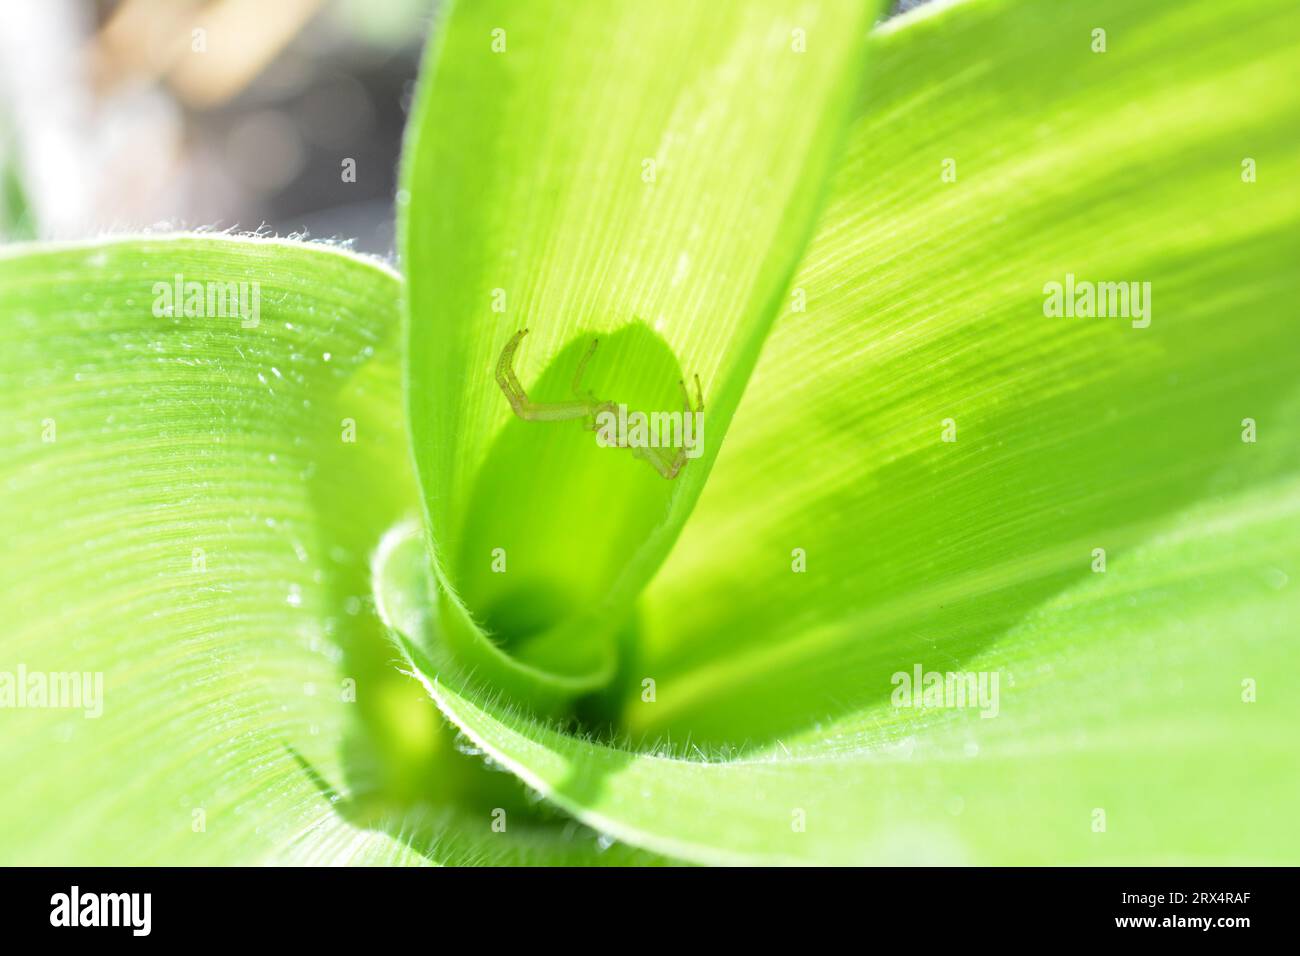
(643, 173)
(1121, 694)
(1120, 690)
(190, 502)
(925, 303)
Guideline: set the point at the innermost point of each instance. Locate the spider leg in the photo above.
(597, 406)
(506, 378)
(525, 407)
(582, 368)
(686, 396)
(670, 465)
(667, 465)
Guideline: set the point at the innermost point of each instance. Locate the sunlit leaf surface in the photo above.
(190, 502)
(645, 174)
(1129, 699)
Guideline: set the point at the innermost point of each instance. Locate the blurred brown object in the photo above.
(206, 52)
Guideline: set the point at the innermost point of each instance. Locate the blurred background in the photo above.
(283, 116)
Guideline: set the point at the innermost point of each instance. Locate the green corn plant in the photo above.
(991, 307)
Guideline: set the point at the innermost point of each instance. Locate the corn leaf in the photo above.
(190, 504)
(641, 174)
(1143, 713)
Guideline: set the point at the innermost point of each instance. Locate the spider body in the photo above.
(586, 407)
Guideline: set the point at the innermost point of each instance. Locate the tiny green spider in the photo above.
(586, 406)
